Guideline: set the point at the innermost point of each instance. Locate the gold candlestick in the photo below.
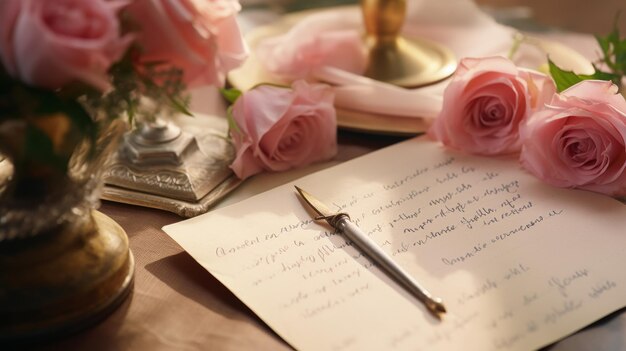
(398, 60)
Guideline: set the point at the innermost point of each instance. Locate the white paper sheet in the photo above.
(517, 263)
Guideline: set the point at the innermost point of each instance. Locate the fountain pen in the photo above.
(342, 223)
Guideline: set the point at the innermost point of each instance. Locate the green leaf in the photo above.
(613, 50)
(563, 79)
(231, 95)
(233, 127)
(518, 39)
(180, 106)
(131, 109)
(601, 75)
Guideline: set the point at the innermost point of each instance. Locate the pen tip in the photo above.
(436, 306)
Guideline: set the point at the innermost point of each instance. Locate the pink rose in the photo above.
(485, 104)
(200, 37)
(52, 43)
(281, 128)
(579, 139)
(316, 41)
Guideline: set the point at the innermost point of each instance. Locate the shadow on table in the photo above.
(184, 275)
(606, 334)
(108, 328)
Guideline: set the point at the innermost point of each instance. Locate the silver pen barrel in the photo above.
(374, 252)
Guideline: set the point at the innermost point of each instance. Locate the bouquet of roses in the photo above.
(575, 137)
(68, 67)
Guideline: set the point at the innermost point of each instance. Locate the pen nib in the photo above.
(319, 207)
(436, 307)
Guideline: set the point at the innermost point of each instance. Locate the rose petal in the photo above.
(201, 38)
(485, 104)
(598, 91)
(283, 129)
(579, 140)
(58, 42)
(245, 164)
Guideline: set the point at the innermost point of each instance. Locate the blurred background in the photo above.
(585, 16)
(574, 15)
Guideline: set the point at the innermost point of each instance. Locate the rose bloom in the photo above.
(579, 140)
(201, 37)
(52, 43)
(281, 128)
(485, 103)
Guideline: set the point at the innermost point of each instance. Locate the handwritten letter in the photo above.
(517, 263)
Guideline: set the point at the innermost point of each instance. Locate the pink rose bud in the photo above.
(200, 37)
(281, 128)
(579, 139)
(485, 104)
(52, 43)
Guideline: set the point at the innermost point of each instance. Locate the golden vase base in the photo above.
(64, 280)
(410, 62)
(405, 62)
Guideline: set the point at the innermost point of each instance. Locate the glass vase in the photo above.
(63, 265)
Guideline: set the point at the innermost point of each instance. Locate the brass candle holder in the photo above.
(402, 61)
